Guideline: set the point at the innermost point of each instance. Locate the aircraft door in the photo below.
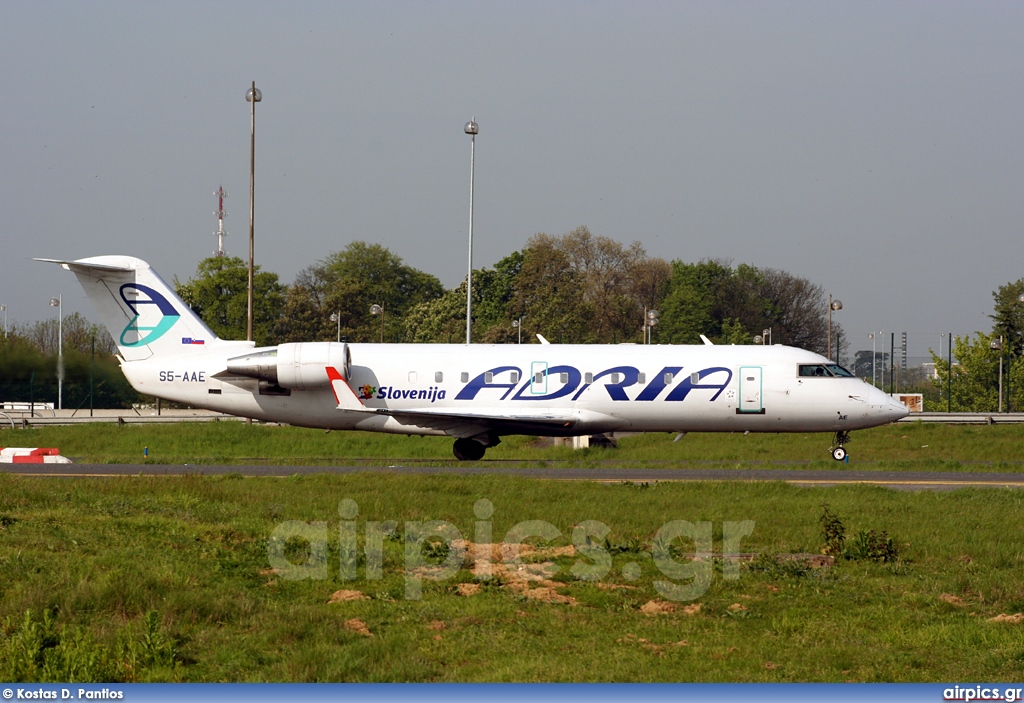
(751, 389)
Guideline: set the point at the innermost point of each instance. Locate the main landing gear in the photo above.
(468, 450)
(838, 450)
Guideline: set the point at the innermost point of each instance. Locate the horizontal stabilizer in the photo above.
(84, 267)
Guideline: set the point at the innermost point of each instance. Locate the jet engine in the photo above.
(297, 366)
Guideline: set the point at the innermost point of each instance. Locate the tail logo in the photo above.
(137, 297)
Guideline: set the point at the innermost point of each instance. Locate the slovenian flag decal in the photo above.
(189, 340)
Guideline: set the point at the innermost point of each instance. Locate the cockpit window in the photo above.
(824, 370)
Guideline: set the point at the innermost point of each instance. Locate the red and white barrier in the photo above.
(31, 455)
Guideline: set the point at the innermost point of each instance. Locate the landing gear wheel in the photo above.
(468, 450)
(838, 450)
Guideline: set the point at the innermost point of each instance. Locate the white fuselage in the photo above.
(708, 388)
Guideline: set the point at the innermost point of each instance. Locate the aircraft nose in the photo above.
(892, 409)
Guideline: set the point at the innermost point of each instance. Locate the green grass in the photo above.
(921, 447)
(167, 578)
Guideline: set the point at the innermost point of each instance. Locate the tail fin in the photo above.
(140, 311)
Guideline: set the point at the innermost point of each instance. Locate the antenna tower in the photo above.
(221, 194)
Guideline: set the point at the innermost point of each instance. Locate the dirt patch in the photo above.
(503, 551)
(467, 589)
(657, 607)
(358, 626)
(548, 594)
(435, 625)
(737, 607)
(528, 580)
(1015, 619)
(952, 600)
(344, 596)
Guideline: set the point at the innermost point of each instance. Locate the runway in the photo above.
(935, 481)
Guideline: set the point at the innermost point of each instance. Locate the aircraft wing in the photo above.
(452, 422)
(459, 423)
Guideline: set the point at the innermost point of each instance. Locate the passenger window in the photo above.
(641, 377)
(515, 377)
(616, 378)
(488, 377)
(412, 377)
(695, 377)
(668, 378)
(465, 377)
(588, 378)
(438, 377)
(563, 378)
(538, 377)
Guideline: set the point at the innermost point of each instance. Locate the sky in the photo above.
(875, 148)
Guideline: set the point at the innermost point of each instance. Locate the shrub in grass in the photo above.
(867, 545)
(38, 650)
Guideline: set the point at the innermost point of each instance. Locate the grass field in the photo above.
(170, 578)
(916, 446)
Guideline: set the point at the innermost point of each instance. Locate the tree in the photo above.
(548, 295)
(77, 334)
(711, 298)
(731, 305)
(798, 310)
(347, 283)
(975, 375)
(219, 294)
(613, 279)
(1008, 316)
(28, 367)
(863, 368)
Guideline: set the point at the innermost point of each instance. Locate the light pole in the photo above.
(379, 310)
(472, 129)
(997, 345)
(832, 305)
(871, 336)
(58, 303)
(518, 324)
(336, 317)
(4, 309)
(650, 320)
(252, 96)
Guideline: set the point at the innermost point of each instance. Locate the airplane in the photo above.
(474, 393)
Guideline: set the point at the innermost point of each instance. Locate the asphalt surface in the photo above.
(936, 481)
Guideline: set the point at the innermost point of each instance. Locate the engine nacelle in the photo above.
(296, 366)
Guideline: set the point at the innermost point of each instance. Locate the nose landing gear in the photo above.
(838, 450)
